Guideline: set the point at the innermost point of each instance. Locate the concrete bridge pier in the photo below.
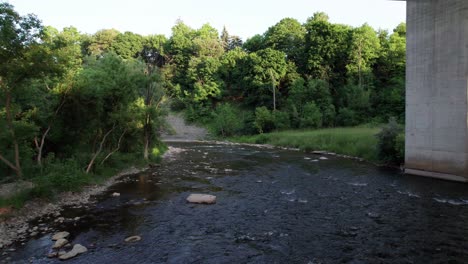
(436, 89)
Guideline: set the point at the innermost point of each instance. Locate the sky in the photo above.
(244, 18)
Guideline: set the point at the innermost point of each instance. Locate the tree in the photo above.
(263, 70)
(225, 38)
(254, 43)
(326, 50)
(127, 45)
(53, 89)
(365, 47)
(22, 59)
(102, 41)
(287, 36)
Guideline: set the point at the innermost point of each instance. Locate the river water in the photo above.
(273, 206)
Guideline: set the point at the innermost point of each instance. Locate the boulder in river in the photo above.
(132, 239)
(60, 243)
(76, 250)
(201, 198)
(60, 235)
(116, 194)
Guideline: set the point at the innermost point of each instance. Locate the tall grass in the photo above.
(354, 141)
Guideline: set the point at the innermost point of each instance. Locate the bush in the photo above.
(67, 175)
(264, 120)
(389, 144)
(312, 116)
(347, 117)
(282, 120)
(227, 120)
(400, 147)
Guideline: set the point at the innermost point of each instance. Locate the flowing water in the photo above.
(273, 206)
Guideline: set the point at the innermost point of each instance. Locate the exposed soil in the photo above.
(181, 131)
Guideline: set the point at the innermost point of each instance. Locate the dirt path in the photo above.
(183, 131)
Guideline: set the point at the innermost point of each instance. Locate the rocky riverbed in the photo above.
(17, 226)
(272, 206)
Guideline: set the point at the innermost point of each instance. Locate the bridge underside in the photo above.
(436, 89)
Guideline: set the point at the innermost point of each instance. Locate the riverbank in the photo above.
(16, 225)
(359, 142)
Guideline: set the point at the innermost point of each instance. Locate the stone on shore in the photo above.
(60, 243)
(77, 249)
(60, 235)
(201, 198)
(132, 239)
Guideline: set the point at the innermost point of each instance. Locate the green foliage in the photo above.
(390, 141)
(127, 45)
(282, 120)
(353, 141)
(264, 120)
(347, 117)
(227, 120)
(286, 36)
(312, 117)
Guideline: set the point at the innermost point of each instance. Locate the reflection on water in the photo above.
(273, 206)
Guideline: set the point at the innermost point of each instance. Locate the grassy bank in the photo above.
(68, 175)
(354, 141)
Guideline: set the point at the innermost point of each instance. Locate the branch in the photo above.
(116, 149)
(9, 164)
(90, 165)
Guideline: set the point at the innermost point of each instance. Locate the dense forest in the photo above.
(74, 104)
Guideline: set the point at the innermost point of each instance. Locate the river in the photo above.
(273, 206)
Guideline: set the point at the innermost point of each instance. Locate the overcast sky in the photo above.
(241, 17)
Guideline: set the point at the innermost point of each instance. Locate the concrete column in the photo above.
(436, 89)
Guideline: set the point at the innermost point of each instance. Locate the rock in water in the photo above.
(60, 235)
(132, 239)
(201, 198)
(60, 243)
(116, 194)
(76, 250)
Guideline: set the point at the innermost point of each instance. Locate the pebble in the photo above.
(132, 239)
(59, 235)
(116, 194)
(77, 249)
(53, 254)
(201, 198)
(60, 243)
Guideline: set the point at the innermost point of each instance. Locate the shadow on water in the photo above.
(273, 206)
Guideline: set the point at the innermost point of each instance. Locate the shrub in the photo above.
(312, 116)
(389, 144)
(400, 147)
(282, 120)
(264, 120)
(227, 120)
(347, 117)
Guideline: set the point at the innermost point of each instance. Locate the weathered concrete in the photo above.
(436, 89)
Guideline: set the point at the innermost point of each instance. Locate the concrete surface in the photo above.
(436, 89)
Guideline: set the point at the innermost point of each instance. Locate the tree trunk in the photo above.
(90, 165)
(40, 147)
(116, 149)
(9, 120)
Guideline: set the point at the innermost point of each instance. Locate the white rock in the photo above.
(201, 198)
(116, 194)
(60, 235)
(60, 243)
(132, 239)
(77, 249)
(323, 158)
